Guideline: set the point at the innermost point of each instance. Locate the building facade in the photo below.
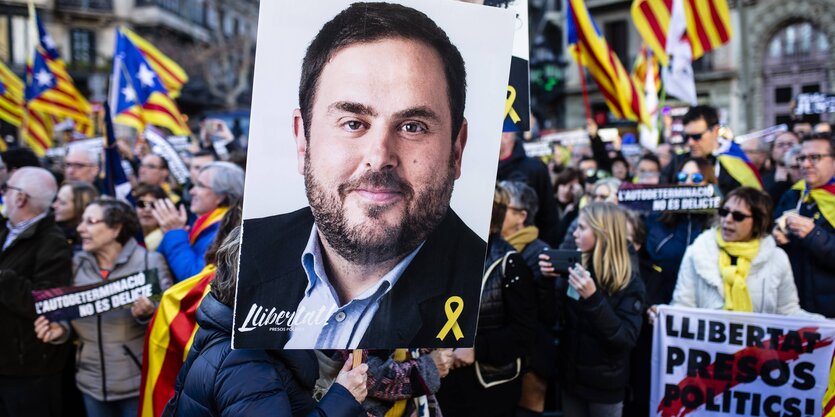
(778, 50)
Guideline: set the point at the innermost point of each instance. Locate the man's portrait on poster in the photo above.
(378, 259)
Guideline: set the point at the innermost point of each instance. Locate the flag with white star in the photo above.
(138, 94)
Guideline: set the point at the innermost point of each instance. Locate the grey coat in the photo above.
(109, 357)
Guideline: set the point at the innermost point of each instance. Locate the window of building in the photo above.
(617, 36)
(782, 94)
(83, 46)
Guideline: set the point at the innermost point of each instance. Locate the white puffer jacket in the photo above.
(770, 280)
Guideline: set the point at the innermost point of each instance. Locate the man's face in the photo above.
(379, 164)
(817, 173)
(79, 167)
(197, 163)
(783, 143)
(152, 171)
(752, 150)
(701, 138)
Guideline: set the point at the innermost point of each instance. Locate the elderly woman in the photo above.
(110, 348)
(218, 186)
(145, 196)
(737, 265)
(69, 204)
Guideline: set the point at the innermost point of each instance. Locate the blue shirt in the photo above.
(320, 321)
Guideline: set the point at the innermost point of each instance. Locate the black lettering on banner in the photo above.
(812, 339)
(671, 393)
(793, 342)
(755, 404)
(746, 369)
(755, 336)
(804, 377)
(810, 406)
(685, 329)
(675, 357)
(774, 335)
(791, 406)
(692, 396)
(768, 368)
(697, 363)
(735, 334)
(723, 367)
(741, 399)
(768, 407)
(710, 401)
(717, 332)
(670, 327)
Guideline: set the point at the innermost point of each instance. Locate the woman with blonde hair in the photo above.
(601, 313)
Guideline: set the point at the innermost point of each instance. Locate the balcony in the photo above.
(85, 6)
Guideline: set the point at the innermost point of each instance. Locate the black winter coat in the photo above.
(219, 381)
(599, 334)
(38, 258)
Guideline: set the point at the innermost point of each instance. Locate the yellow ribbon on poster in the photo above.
(452, 318)
(508, 105)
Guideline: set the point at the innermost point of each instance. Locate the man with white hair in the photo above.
(35, 255)
(81, 164)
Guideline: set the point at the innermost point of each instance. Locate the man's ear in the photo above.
(458, 148)
(301, 140)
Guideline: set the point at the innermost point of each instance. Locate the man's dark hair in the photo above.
(702, 112)
(652, 158)
(19, 157)
(761, 209)
(149, 189)
(163, 162)
(567, 175)
(370, 22)
(825, 136)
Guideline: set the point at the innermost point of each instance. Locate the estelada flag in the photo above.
(11, 96)
(824, 196)
(734, 160)
(168, 340)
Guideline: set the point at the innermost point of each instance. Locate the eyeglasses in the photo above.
(738, 216)
(142, 204)
(814, 158)
(783, 144)
(5, 187)
(90, 222)
(76, 165)
(150, 166)
(697, 177)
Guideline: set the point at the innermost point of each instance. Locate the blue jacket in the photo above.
(812, 258)
(664, 248)
(219, 381)
(186, 260)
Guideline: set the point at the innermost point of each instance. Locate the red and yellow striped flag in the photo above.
(37, 130)
(708, 25)
(11, 96)
(588, 47)
(172, 75)
(168, 340)
(639, 69)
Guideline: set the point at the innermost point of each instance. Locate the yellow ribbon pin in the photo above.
(508, 105)
(452, 318)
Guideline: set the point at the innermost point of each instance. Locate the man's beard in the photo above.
(367, 244)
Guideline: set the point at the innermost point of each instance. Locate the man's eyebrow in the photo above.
(352, 107)
(419, 112)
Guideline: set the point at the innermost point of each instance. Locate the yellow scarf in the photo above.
(737, 297)
(523, 237)
(823, 196)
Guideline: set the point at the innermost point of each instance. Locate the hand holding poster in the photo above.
(69, 303)
(720, 363)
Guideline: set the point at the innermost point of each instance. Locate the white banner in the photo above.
(720, 363)
(161, 147)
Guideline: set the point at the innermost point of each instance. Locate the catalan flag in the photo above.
(646, 60)
(588, 47)
(50, 90)
(11, 96)
(173, 76)
(168, 340)
(737, 164)
(708, 25)
(138, 94)
(37, 131)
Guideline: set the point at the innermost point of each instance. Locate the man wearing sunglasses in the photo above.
(806, 225)
(701, 132)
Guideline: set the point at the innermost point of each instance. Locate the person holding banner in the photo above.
(602, 313)
(111, 342)
(806, 225)
(737, 265)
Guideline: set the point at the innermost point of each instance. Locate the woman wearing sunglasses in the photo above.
(737, 265)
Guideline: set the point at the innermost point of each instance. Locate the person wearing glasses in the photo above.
(806, 225)
(737, 265)
(110, 350)
(153, 170)
(82, 164)
(780, 177)
(701, 133)
(35, 256)
(145, 195)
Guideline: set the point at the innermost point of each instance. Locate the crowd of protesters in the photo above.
(575, 342)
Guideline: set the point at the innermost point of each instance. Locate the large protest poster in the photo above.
(720, 363)
(364, 117)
